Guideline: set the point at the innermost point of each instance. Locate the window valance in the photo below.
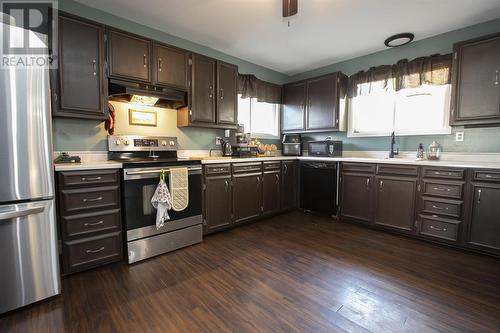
(250, 86)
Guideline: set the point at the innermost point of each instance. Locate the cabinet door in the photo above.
(395, 203)
(293, 108)
(81, 81)
(217, 202)
(247, 194)
(203, 90)
(171, 66)
(477, 96)
(227, 105)
(289, 185)
(484, 229)
(271, 189)
(322, 103)
(357, 197)
(129, 57)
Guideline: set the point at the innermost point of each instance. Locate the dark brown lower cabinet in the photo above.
(395, 203)
(247, 196)
(217, 202)
(271, 190)
(357, 197)
(484, 225)
(289, 184)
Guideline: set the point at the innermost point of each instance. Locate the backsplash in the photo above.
(81, 135)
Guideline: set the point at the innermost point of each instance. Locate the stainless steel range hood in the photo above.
(128, 91)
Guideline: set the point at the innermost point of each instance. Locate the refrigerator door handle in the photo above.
(20, 213)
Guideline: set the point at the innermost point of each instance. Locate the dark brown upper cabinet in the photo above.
(79, 85)
(294, 107)
(227, 103)
(315, 105)
(476, 77)
(171, 66)
(129, 56)
(213, 95)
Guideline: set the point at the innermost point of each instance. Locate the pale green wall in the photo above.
(73, 134)
(485, 140)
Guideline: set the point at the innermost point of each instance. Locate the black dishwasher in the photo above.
(318, 187)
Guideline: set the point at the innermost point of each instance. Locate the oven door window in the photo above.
(138, 210)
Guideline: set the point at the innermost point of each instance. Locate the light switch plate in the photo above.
(218, 140)
(459, 136)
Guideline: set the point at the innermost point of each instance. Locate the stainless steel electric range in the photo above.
(143, 158)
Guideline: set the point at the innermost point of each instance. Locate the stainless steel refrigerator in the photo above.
(29, 267)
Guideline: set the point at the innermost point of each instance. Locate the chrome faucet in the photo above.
(393, 153)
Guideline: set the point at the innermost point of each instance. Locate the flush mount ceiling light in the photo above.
(290, 8)
(399, 39)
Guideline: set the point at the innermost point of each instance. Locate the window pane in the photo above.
(373, 112)
(264, 118)
(422, 109)
(244, 112)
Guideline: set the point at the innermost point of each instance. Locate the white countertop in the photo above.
(93, 165)
(442, 163)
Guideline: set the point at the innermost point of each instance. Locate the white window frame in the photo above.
(264, 135)
(406, 132)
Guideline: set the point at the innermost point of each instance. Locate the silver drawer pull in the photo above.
(92, 224)
(441, 189)
(440, 208)
(91, 179)
(95, 251)
(93, 199)
(436, 228)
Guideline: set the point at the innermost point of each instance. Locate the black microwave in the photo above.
(326, 148)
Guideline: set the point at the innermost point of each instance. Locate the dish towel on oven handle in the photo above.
(179, 186)
(162, 201)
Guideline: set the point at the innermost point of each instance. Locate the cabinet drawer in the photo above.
(247, 167)
(443, 173)
(358, 167)
(272, 165)
(442, 207)
(439, 227)
(487, 175)
(397, 170)
(90, 223)
(90, 252)
(218, 169)
(441, 189)
(88, 178)
(91, 198)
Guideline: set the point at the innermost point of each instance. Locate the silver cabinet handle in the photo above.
(436, 228)
(93, 224)
(441, 189)
(92, 199)
(159, 64)
(381, 185)
(368, 183)
(440, 208)
(277, 179)
(210, 91)
(479, 196)
(221, 94)
(20, 213)
(496, 77)
(94, 67)
(91, 179)
(285, 167)
(95, 251)
(144, 62)
(226, 183)
(258, 181)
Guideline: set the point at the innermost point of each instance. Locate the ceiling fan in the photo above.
(290, 8)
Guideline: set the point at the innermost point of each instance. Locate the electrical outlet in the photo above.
(459, 136)
(218, 140)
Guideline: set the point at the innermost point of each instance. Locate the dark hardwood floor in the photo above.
(290, 273)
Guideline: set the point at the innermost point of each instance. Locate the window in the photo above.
(260, 119)
(410, 111)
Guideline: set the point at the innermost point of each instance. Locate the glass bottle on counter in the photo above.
(434, 151)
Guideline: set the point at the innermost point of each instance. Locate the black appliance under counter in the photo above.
(319, 187)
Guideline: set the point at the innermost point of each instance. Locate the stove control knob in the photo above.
(172, 143)
(117, 142)
(164, 143)
(126, 142)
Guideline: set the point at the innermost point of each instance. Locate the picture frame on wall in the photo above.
(142, 118)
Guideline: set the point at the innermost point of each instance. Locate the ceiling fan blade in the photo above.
(290, 7)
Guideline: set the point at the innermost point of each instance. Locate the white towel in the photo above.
(179, 187)
(162, 201)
